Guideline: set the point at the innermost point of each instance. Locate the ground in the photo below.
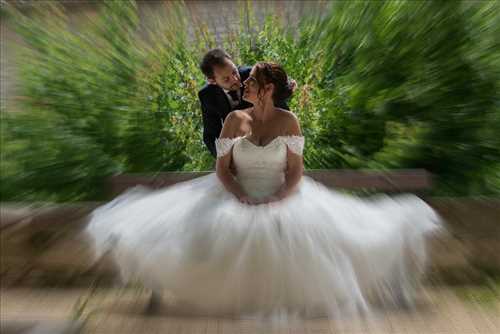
(441, 310)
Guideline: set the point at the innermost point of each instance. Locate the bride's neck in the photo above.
(263, 112)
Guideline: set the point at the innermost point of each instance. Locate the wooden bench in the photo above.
(45, 240)
(405, 180)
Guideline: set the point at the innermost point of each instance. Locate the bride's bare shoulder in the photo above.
(287, 115)
(289, 121)
(236, 123)
(244, 114)
(239, 115)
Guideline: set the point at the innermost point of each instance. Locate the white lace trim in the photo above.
(223, 145)
(294, 143)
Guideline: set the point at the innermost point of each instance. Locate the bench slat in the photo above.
(390, 181)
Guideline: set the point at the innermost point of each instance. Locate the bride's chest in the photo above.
(247, 154)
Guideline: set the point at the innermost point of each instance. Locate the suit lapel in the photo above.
(223, 102)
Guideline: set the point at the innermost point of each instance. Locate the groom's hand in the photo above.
(211, 82)
(293, 85)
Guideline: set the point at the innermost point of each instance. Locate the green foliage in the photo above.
(76, 89)
(395, 84)
(415, 84)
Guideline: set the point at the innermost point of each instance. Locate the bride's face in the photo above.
(252, 92)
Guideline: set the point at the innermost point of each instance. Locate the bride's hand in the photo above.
(270, 199)
(245, 199)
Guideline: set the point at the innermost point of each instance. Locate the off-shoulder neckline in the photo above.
(262, 146)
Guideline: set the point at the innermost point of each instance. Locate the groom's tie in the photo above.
(234, 96)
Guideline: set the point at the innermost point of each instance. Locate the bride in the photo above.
(257, 237)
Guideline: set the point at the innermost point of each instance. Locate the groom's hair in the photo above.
(214, 57)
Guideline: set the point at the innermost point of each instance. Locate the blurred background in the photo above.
(95, 88)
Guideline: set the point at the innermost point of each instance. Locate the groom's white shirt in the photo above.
(230, 99)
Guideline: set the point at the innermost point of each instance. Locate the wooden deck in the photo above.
(440, 310)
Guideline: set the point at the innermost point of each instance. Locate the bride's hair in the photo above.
(266, 73)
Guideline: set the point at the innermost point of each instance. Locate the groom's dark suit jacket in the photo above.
(215, 107)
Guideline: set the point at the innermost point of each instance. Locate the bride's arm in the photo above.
(295, 165)
(295, 169)
(223, 163)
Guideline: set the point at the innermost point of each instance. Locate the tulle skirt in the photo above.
(319, 252)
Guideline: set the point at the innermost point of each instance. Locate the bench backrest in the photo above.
(411, 180)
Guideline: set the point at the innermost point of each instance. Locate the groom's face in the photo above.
(227, 76)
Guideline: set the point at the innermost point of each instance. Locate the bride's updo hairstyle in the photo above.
(266, 73)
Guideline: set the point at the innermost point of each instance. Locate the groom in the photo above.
(222, 94)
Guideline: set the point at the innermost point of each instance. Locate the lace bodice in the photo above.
(260, 169)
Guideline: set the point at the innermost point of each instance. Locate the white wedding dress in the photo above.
(318, 252)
